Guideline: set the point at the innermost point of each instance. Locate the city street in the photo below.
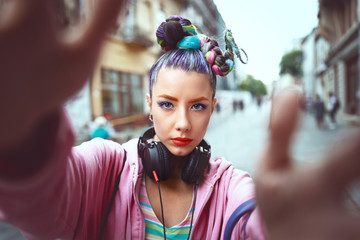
(240, 136)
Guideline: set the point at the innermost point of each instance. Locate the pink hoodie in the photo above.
(68, 199)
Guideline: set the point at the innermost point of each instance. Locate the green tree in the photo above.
(291, 63)
(254, 86)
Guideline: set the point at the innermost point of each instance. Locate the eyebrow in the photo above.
(168, 97)
(175, 99)
(199, 99)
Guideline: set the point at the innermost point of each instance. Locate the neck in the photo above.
(176, 166)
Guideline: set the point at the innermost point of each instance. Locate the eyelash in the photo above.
(202, 106)
(165, 105)
(170, 106)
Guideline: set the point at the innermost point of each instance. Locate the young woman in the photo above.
(104, 190)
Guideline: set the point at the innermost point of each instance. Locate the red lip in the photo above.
(181, 141)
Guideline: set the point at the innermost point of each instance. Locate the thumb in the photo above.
(283, 122)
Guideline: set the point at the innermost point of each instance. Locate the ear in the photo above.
(213, 104)
(148, 100)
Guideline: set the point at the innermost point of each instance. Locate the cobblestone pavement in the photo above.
(239, 136)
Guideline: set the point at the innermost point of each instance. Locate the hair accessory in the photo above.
(202, 39)
(190, 29)
(216, 69)
(233, 48)
(189, 42)
(231, 64)
(164, 48)
(210, 57)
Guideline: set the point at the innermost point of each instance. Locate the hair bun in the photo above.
(173, 30)
(179, 33)
(170, 32)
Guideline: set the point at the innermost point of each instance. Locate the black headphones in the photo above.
(155, 156)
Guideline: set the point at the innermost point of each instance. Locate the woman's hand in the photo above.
(305, 202)
(42, 67)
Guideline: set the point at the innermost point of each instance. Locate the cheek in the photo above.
(161, 122)
(200, 123)
(205, 123)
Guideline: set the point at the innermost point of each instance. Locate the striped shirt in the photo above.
(154, 228)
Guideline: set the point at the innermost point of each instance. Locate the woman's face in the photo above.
(181, 106)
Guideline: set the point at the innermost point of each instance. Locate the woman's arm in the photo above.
(65, 198)
(305, 202)
(42, 67)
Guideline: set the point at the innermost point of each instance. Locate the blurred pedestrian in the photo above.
(241, 104)
(259, 101)
(319, 110)
(235, 105)
(101, 128)
(333, 107)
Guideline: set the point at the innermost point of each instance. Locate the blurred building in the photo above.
(120, 82)
(308, 66)
(339, 24)
(333, 50)
(315, 50)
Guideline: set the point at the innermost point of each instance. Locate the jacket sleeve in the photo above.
(240, 189)
(68, 192)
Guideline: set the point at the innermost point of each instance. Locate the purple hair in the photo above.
(186, 60)
(208, 59)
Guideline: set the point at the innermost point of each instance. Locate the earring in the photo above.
(151, 117)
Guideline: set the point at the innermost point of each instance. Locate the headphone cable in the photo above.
(161, 205)
(162, 210)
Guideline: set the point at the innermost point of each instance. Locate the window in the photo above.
(122, 93)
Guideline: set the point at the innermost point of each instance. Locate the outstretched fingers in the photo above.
(283, 122)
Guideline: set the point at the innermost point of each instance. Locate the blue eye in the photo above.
(166, 105)
(199, 106)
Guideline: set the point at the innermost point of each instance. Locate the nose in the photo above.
(183, 122)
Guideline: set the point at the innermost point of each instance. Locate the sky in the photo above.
(267, 29)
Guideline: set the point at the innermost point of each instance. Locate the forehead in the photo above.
(175, 81)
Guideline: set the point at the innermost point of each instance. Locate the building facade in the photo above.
(120, 80)
(331, 56)
(339, 26)
(308, 63)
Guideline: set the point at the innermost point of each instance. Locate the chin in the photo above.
(181, 151)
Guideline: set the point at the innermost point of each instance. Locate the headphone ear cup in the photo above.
(161, 163)
(154, 155)
(146, 158)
